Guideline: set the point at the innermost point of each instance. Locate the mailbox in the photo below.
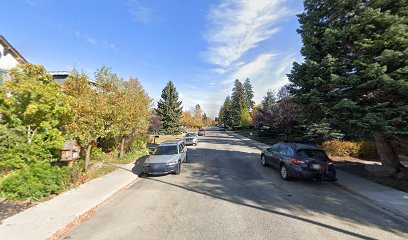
(70, 152)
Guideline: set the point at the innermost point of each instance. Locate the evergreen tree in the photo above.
(205, 119)
(283, 92)
(225, 113)
(267, 115)
(249, 94)
(220, 117)
(169, 109)
(238, 104)
(355, 71)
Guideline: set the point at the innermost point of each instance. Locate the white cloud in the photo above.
(91, 40)
(286, 64)
(85, 37)
(266, 71)
(239, 26)
(190, 86)
(253, 70)
(236, 35)
(140, 11)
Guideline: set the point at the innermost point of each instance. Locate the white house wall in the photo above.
(7, 61)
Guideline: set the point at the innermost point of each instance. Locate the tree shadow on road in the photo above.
(240, 179)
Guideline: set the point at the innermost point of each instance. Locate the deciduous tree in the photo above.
(155, 123)
(33, 102)
(132, 115)
(89, 109)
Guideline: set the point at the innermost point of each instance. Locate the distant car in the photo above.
(191, 139)
(296, 160)
(201, 132)
(167, 158)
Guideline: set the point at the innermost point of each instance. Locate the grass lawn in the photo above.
(128, 158)
(165, 138)
(99, 171)
(254, 134)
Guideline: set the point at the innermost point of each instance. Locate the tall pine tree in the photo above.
(267, 114)
(225, 113)
(355, 71)
(170, 110)
(249, 94)
(238, 104)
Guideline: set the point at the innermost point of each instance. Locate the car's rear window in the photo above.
(190, 135)
(311, 153)
(166, 150)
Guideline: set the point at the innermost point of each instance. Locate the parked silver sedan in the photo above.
(191, 138)
(167, 158)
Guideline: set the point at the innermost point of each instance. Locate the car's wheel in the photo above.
(178, 168)
(284, 172)
(263, 161)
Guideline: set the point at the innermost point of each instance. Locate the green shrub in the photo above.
(362, 149)
(97, 154)
(35, 182)
(136, 154)
(16, 153)
(139, 143)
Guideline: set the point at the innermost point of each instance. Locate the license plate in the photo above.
(316, 166)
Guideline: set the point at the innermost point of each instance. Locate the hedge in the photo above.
(362, 149)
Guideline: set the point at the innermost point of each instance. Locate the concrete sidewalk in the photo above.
(384, 197)
(46, 219)
(379, 196)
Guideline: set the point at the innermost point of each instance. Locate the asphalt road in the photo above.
(225, 193)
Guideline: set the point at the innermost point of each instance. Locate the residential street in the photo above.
(224, 192)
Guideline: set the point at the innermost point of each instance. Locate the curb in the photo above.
(375, 204)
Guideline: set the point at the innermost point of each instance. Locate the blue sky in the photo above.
(202, 46)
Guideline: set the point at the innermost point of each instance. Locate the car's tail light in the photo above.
(297, 162)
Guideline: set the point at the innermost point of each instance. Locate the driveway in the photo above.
(225, 193)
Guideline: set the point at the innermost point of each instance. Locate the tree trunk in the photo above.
(88, 156)
(122, 148)
(388, 155)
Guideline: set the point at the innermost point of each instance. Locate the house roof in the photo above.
(69, 144)
(10, 49)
